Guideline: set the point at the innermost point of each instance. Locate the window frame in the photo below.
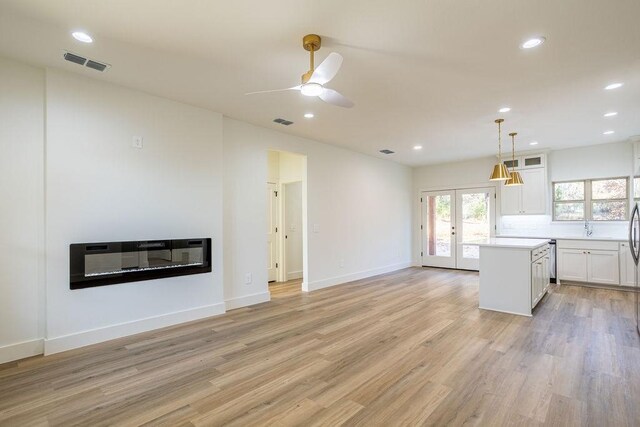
(554, 201)
(589, 200)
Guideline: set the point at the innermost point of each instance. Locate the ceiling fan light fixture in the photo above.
(311, 89)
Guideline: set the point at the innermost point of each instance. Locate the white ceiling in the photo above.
(429, 72)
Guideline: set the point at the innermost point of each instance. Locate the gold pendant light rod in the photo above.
(500, 172)
(514, 176)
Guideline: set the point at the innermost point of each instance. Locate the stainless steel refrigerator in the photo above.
(634, 246)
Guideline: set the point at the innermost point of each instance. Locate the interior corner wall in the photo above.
(22, 212)
(100, 188)
(358, 211)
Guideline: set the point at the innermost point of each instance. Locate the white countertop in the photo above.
(513, 243)
(566, 237)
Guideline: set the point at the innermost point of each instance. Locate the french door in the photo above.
(453, 222)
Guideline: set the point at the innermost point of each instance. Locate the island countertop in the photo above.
(513, 243)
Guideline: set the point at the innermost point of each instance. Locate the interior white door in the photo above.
(272, 231)
(438, 229)
(292, 228)
(475, 223)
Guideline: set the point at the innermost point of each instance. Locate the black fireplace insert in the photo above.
(99, 264)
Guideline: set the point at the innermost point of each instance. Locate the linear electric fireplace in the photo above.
(99, 264)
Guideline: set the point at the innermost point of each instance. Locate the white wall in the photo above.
(75, 177)
(22, 212)
(360, 207)
(99, 188)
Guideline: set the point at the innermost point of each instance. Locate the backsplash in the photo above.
(542, 226)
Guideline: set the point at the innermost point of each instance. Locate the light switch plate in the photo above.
(137, 142)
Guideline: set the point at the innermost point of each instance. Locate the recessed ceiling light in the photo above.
(417, 147)
(504, 109)
(611, 114)
(308, 116)
(608, 132)
(533, 143)
(533, 42)
(613, 86)
(82, 37)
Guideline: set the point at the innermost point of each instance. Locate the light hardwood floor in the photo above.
(407, 348)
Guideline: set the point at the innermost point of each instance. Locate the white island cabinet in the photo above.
(514, 274)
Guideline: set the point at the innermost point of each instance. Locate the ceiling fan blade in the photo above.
(327, 69)
(274, 90)
(332, 97)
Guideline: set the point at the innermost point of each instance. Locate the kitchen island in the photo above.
(514, 274)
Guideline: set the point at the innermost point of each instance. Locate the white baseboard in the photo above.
(247, 300)
(292, 275)
(333, 281)
(11, 352)
(94, 336)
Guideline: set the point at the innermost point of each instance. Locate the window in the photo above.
(636, 189)
(593, 199)
(568, 201)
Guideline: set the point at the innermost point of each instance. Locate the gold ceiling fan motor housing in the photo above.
(311, 43)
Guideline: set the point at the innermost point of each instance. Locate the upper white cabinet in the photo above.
(530, 198)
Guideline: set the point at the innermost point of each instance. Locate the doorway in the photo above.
(452, 221)
(286, 219)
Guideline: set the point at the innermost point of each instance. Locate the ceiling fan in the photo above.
(313, 81)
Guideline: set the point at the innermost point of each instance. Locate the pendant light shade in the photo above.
(514, 176)
(500, 172)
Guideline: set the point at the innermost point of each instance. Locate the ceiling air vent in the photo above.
(283, 122)
(96, 65)
(89, 63)
(71, 57)
(386, 151)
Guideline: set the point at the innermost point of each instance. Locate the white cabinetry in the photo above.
(588, 261)
(540, 275)
(514, 274)
(627, 267)
(530, 198)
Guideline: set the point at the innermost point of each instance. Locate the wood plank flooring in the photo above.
(406, 348)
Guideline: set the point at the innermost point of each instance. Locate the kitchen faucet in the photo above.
(588, 228)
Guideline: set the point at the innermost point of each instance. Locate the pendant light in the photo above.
(500, 172)
(515, 178)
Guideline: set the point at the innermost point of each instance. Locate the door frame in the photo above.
(277, 255)
(445, 189)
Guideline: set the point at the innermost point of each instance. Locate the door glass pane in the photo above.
(476, 226)
(439, 225)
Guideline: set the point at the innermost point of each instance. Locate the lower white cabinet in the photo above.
(572, 265)
(627, 266)
(600, 266)
(540, 277)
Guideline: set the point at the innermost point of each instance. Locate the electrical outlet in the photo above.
(248, 278)
(137, 142)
